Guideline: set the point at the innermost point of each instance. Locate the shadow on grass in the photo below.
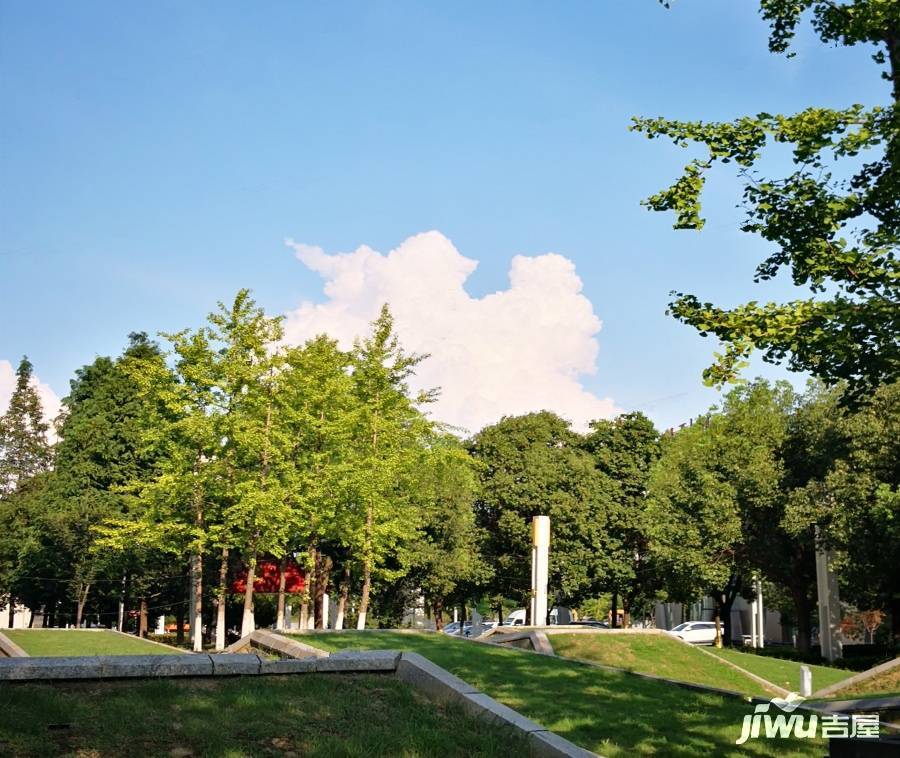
(298, 715)
(610, 713)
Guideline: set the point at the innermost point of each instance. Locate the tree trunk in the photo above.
(323, 572)
(614, 621)
(142, 619)
(179, 623)
(304, 612)
(367, 571)
(82, 600)
(724, 601)
(342, 600)
(12, 611)
(803, 613)
(437, 609)
(282, 581)
(121, 618)
(312, 579)
(364, 600)
(247, 623)
(197, 586)
(220, 602)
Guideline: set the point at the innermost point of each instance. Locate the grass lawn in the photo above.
(782, 672)
(57, 642)
(887, 683)
(611, 713)
(299, 715)
(658, 655)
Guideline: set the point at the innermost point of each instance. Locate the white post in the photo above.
(805, 681)
(760, 615)
(456, 615)
(540, 552)
(753, 607)
(288, 611)
(161, 625)
(325, 602)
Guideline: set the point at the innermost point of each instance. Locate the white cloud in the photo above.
(518, 350)
(50, 401)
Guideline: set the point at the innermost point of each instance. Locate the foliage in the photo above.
(624, 450)
(446, 556)
(834, 222)
(535, 465)
(856, 504)
(24, 449)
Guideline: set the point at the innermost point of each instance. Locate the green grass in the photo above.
(57, 642)
(882, 685)
(783, 672)
(611, 713)
(658, 655)
(298, 715)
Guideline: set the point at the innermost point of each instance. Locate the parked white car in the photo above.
(516, 618)
(696, 632)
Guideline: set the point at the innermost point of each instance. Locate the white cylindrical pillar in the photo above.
(540, 568)
(325, 602)
(760, 615)
(805, 681)
(753, 626)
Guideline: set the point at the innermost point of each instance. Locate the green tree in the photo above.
(856, 505)
(834, 222)
(535, 465)
(320, 406)
(24, 448)
(624, 450)
(247, 382)
(445, 554)
(24, 453)
(718, 498)
(389, 426)
(99, 453)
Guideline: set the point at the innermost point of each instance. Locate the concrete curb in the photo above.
(278, 643)
(9, 649)
(439, 684)
(862, 676)
(105, 667)
(536, 638)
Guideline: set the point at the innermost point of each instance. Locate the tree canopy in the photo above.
(833, 223)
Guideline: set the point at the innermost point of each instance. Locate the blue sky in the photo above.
(155, 156)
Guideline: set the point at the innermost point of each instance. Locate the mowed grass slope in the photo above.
(887, 683)
(782, 672)
(656, 654)
(300, 715)
(611, 713)
(61, 642)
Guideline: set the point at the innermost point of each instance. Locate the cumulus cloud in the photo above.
(50, 401)
(522, 349)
